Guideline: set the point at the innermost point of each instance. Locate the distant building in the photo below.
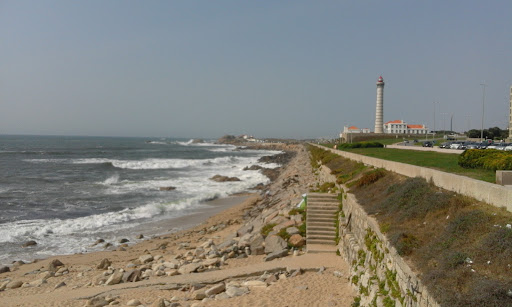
(401, 127)
(354, 129)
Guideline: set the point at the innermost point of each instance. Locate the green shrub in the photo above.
(361, 145)
(490, 159)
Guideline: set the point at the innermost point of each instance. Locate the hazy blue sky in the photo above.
(269, 68)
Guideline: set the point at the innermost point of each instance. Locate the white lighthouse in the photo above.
(380, 106)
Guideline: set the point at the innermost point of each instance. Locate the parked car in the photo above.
(501, 146)
(508, 147)
(445, 145)
(428, 144)
(473, 146)
(455, 145)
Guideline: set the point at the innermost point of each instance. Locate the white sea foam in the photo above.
(112, 179)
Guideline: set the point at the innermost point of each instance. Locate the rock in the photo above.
(124, 240)
(18, 263)
(244, 230)
(167, 188)
(256, 245)
(189, 268)
(14, 284)
(145, 259)
(219, 178)
(4, 269)
(107, 245)
(97, 302)
(134, 302)
(61, 284)
(271, 279)
(198, 294)
(141, 236)
(285, 224)
(254, 283)
(54, 264)
(104, 264)
(236, 291)
(274, 244)
(252, 168)
(292, 230)
(159, 303)
(115, 278)
(274, 255)
(296, 240)
(98, 241)
(222, 296)
(338, 274)
(29, 243)
(37, 282)
(216, 289)
(213, 261)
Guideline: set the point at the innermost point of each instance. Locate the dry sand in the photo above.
(308, 289)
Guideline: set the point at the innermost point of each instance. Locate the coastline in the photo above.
(226, 216)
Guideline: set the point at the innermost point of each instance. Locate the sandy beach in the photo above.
(207, 264)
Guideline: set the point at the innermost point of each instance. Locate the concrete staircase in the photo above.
(320, 222)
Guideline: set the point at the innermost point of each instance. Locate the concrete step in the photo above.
(322, 209)
(312, 233)
(318, 241)
(321, 236)
(321, 248)
(328, 221)
(322, 195)
(321, 228)
(331, 216)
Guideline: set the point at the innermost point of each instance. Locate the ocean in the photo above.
(66, 192)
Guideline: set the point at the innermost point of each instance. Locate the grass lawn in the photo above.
(440, 161)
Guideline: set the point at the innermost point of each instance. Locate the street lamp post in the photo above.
(434, 132)
(483, 110)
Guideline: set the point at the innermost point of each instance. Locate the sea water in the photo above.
(66, 192)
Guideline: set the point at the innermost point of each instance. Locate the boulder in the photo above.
(133, 302)
(59, 285)
(124, 240)
(189, 268)
(285, 224)
(244, 230)
(256, 245)
(198, 294)
(292, 230)
(274, 244)
(104, 264)
(54, 264)
(145, 258)
(98, 241)
(115, 278)
(141, 236)
(4, 269)
(216, 289)
(278, 254)
(29, 243)
(296, 240)
(99, 301)
(159, 303)
(14, 284)
(232, 291)
(219, 178)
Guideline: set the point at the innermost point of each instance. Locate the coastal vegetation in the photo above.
(490, 159)
(460, 247)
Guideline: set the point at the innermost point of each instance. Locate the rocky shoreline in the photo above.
(227, 260)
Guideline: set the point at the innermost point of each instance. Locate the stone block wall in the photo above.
(378, 272)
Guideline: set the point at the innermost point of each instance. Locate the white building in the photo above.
(354, 129)
(401, 127)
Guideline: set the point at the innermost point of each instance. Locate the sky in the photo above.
(287, 69)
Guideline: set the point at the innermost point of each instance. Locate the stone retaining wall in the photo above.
(490, 193)
(377, 271)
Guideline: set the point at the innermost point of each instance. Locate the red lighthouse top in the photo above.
(380, 79)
